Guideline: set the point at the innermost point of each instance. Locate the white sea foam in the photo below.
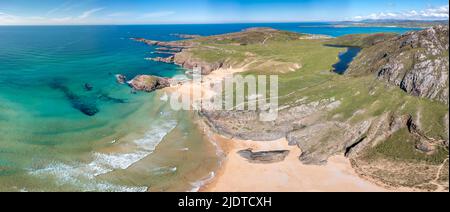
(83, 175)
(198, 184)
(164, 170)
(67, 175)
(180, 78)
(164, 97)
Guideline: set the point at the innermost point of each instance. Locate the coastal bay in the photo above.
(89, 133)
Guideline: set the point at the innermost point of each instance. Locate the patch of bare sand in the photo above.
(290, 175)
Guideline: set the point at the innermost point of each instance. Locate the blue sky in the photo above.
(60, 12)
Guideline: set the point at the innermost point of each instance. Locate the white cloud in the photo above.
(119, 14)
(437, 13)
(6, 18)
(158, 14)
(88, 13)
(9, 19)
(63, 7)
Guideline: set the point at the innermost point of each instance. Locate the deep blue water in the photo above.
(345, 58)
(44, 137)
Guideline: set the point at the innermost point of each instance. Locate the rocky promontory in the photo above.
(167, 44)
(148, 83)
(163, 59)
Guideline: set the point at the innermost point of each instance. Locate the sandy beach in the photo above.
(290, 175)
(236, 174)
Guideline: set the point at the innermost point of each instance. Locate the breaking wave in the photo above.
(83, 176)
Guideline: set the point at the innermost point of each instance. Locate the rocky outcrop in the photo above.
(148, 83)
(121, 79)
(302, 125)
(163, 59)
(264, 156)
(165, 49)
(186, 36)
(168, 44)
(305, 126)
(417, 62)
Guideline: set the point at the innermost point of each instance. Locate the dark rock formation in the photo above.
(172, 50)
(265, 156)
(417, 62)
(107, 98)
(148, 83)
(121, 79)
(84, 104)
(88, 87)
(163, 59)
(426, 147)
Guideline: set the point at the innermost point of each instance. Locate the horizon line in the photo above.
(212, 23)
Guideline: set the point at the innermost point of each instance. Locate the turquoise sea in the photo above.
(66, 125)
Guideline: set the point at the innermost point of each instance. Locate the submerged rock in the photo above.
(84, 104)
(148, 83)
(107, 98)
(265, 156)
(88, 87)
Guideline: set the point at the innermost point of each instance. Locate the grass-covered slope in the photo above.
(361, 40)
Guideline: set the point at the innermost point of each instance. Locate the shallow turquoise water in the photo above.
(47, 143)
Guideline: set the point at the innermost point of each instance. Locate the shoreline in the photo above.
(236, 174)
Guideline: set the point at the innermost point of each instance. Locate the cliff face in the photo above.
(187, 60)
(417, 62)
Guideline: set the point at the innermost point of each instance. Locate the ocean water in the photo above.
(57, 135)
